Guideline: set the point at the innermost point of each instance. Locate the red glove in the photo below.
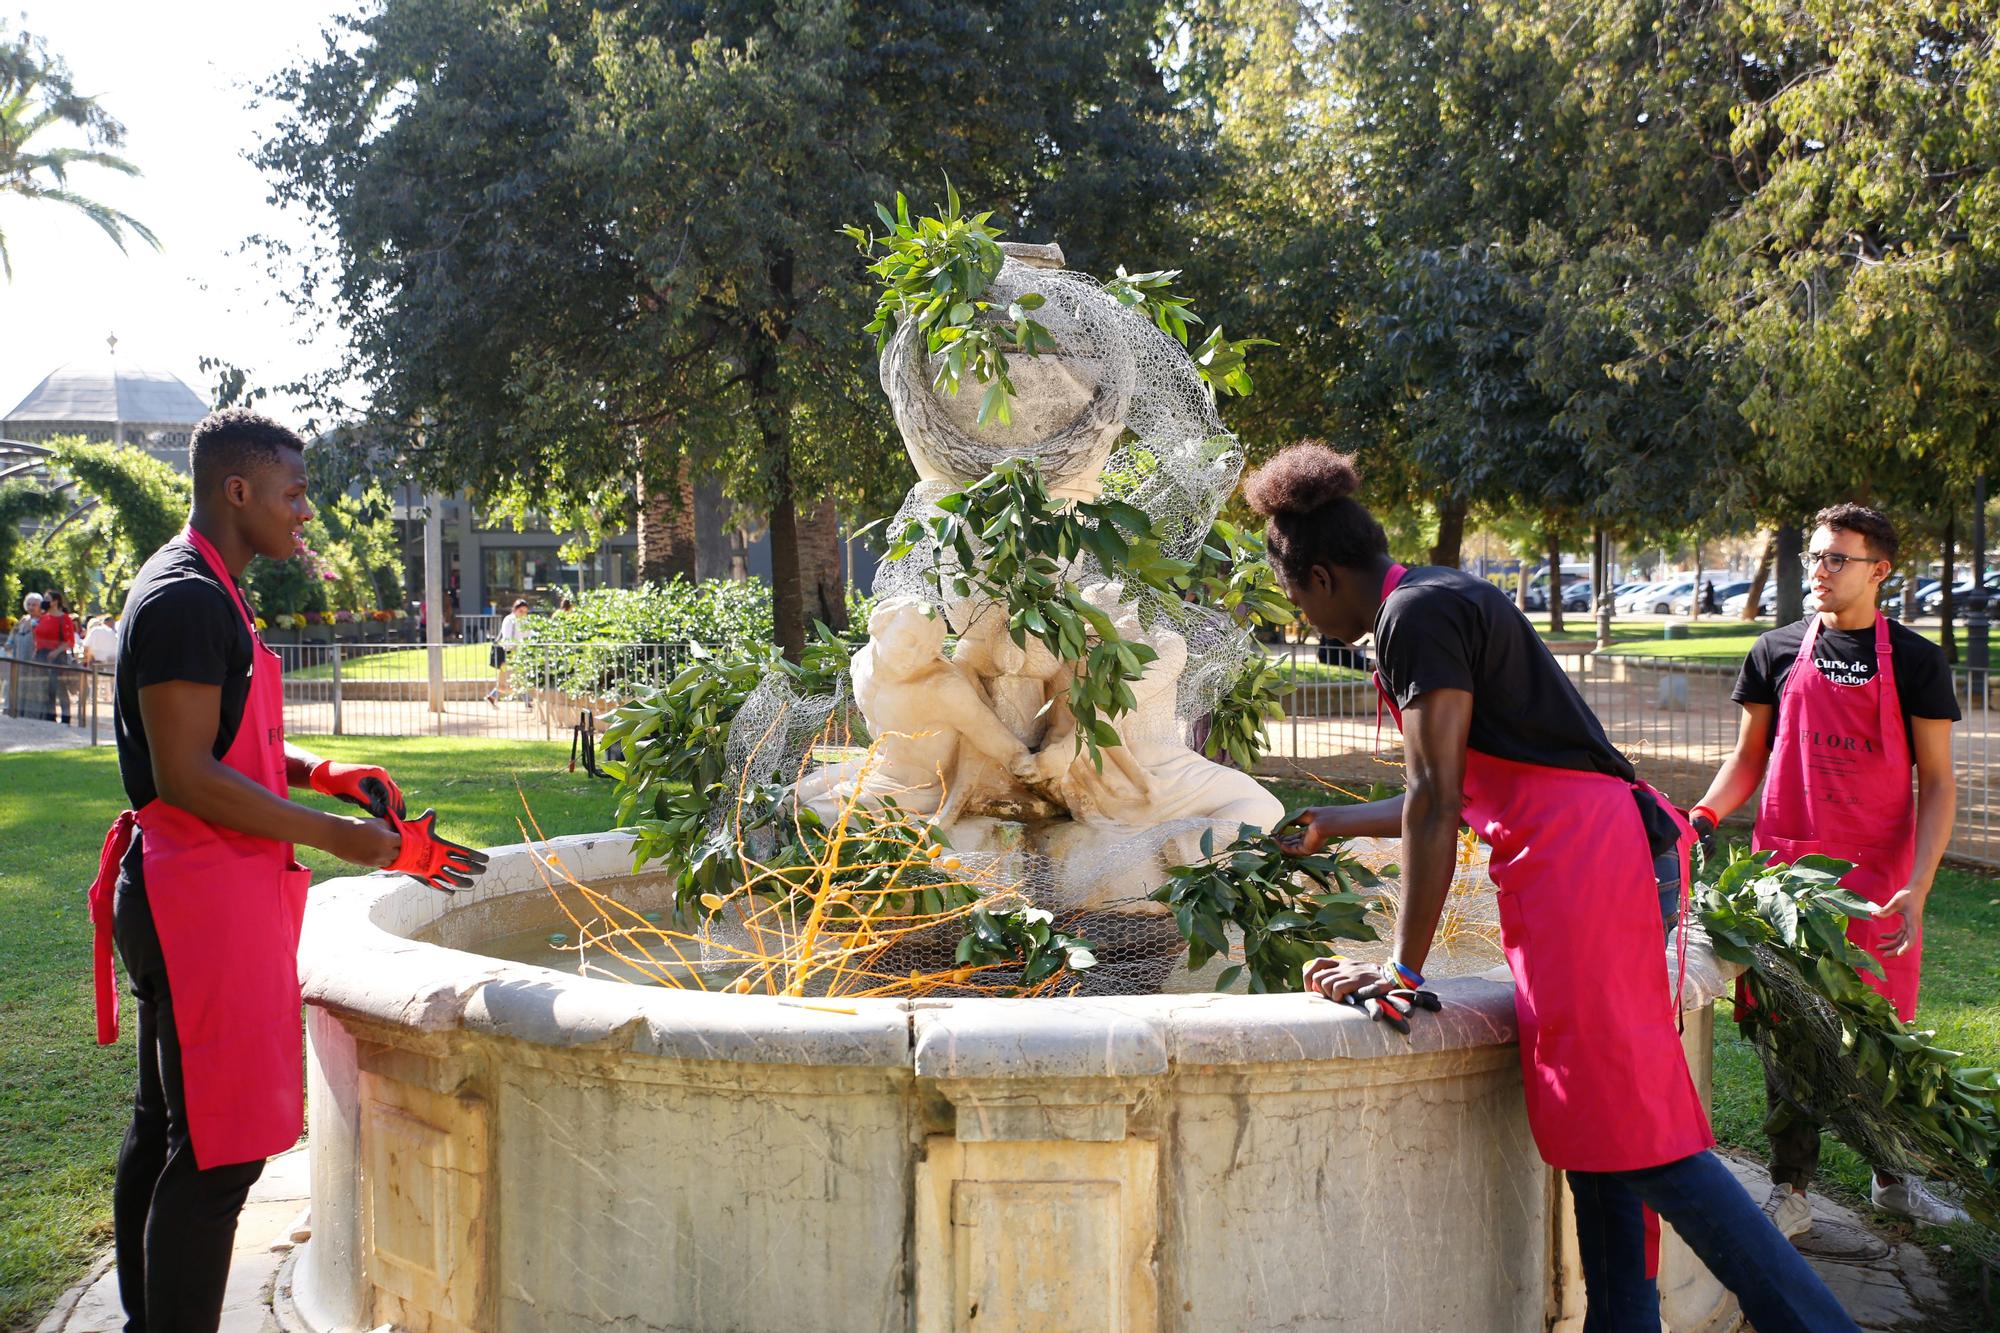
(365, 785)
(439, 862)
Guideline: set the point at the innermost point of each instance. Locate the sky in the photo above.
(180, 76)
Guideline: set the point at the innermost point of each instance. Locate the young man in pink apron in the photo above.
(197, 882)
(1496, 735)
(1835, 710)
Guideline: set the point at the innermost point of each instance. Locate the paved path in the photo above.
(263, 1239)
(26, 733)
(1888, 1288)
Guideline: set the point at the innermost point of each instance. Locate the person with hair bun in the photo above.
(1495, 735)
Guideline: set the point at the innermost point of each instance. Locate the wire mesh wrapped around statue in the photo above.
(969, 725)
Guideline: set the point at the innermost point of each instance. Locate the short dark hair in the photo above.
(1306, 495)
(1874, 529)
(233, 441)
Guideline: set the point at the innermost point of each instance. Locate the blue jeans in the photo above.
(1778, 1290)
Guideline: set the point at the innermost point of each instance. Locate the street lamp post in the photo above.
(1976, 621)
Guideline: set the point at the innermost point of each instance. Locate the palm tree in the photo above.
(36, 95)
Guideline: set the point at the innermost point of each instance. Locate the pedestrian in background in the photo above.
(512, 634)
(55, 645)
(21, 650)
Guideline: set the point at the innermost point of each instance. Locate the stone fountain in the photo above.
(498, 1145)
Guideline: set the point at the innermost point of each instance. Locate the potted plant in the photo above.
(375, 626)
(345, 627)
(284, 629)
(317, 628)
(402, 629)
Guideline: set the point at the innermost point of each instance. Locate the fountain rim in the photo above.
(354, 963)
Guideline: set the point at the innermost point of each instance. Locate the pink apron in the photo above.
(228, 907)
(1607, 1083)
(1839, 785)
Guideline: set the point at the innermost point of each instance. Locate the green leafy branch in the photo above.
(1237, 722)
(1006, 539)
(936, 273)
(1254, 885)
(1787, 926)
(1219, 360)
(1024, 938)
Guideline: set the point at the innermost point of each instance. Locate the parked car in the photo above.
(1768, 604)
(1933, 604)
(1576, 596)
(1684, 604)
(1633, 602)
(1659, 600)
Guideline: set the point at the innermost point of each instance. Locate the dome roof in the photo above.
(110, 393)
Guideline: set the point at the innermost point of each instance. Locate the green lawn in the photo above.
(63, 1099)
(462, 661)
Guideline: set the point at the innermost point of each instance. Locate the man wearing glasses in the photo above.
(1836, 709)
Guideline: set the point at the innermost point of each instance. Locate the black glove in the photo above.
(1393, 1006)
(1704, 833)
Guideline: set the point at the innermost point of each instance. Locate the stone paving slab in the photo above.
(1896, 1292)
(263, 1238)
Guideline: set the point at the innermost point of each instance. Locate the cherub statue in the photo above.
(1151, 777)
(927, 714)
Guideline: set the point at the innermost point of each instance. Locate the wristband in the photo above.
(1409, 976)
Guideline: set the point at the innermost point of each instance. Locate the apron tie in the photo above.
(102, 889)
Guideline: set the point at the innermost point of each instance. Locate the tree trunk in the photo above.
(739, 554)
(666, 523)
(820, 577)
(1759, 576)
(711, 529)
(1555, 580)
(1527, 554)
(1949, 610)
(1790, 601)
(1694, 602)
(1451, 534)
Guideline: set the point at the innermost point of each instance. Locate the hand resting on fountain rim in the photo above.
(1435, 727)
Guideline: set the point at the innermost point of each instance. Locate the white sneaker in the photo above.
(1788, 1210)
(1914, 1200)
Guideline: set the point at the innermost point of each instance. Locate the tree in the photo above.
(564, 236)
(37, 96)
(140, 504)
(20, 504)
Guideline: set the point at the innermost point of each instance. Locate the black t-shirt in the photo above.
(1444, 629)
(1847, 657)
(180, 623)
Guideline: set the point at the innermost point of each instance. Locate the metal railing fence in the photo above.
(68, 694)
(1672, 716)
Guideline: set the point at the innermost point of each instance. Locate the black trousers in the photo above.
(174, 1223)
(1795, 1148)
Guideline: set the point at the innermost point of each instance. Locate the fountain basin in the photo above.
(501, 1146)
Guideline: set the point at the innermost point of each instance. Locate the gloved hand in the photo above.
(439, 862)
(365, 785)
(1393, 1006)
(1704, 834)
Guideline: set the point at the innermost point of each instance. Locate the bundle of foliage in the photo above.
(936, 273)
(673, 743)
(1253, 884)
(876, 880)
(1835, 1046)
(589, 650)
(1232, 573)
(1004, 539)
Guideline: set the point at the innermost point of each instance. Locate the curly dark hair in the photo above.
(234, 441)
(1306, 495)
(1874, 529)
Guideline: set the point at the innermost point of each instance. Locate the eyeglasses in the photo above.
(1833, 560)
